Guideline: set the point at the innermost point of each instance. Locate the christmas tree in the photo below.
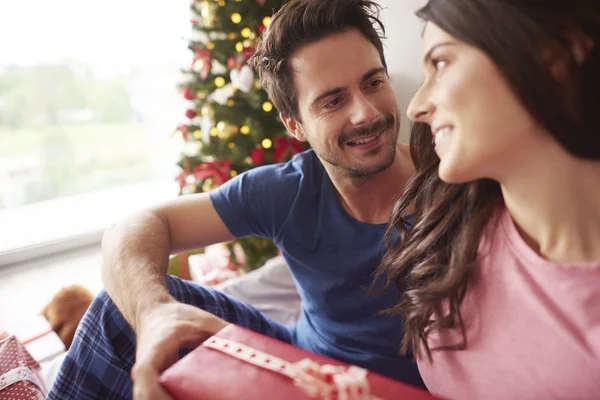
(231, 126)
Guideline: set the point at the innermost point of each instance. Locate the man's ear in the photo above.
(294, 127)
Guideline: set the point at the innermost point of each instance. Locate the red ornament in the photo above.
(231, 62)
(190, 113)
(258, 156)
(285, 147)
(195, 21)
(261, 28)
(188, 94)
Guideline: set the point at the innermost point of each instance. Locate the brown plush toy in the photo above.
(66, 309)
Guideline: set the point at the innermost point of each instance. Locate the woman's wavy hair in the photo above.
(434, 261)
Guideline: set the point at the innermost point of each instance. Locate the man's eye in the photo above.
(333, 102)
(376, 83)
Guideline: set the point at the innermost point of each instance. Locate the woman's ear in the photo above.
(294, 127)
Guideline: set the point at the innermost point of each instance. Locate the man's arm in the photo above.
(136, 250)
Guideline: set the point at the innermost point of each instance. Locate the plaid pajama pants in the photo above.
(99, 362)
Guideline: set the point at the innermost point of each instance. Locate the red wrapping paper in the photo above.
(19, 372)
(209, 374)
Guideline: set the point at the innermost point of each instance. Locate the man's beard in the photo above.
(382, 124)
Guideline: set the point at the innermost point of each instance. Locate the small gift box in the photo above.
(238, 363)
(19, 372)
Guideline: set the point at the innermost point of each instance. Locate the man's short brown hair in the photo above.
(300, 22)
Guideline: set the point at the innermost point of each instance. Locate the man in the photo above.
(323, 66)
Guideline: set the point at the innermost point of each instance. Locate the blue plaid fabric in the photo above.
(99, 362)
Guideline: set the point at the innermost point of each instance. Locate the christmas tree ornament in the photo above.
(239, 47)
(246, 32)
(226, 130)
(236, 18)
(245, 130)
(208, 185)
(233, 173)
(208, 13)
(248, 43)
(190, 113)
(210, 45)
(214, 132)
(188, 94)
(261, 2)
(230, 103)
(242, 79)
(231, 145)
(267, 143)
(267, 106)
(266, 21)
(219, 81)
(231, 36)
(261, 28)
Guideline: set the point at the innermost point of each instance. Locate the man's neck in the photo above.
(370, 200)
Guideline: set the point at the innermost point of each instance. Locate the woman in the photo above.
(501, 272)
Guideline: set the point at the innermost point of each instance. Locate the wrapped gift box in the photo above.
(241, 364)
(19, 372)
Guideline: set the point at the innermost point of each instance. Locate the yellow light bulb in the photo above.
(222, 3)
(266, 21)
(236, 18)
(214, 132)
(230, 103)
(219, 81)
(245, 130)
(231, 145)
(198, 134)
(210, 46)
(231, 35)
(239, 47)
(267, 106)
(246, 32)
(221, 125)
(267, 143)
(233, 173)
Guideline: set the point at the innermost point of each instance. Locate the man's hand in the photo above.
(161, 332)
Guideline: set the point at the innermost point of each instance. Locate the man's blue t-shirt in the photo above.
(332, 257)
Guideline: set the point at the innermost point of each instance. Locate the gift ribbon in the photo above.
(20, 374)
(324, 382)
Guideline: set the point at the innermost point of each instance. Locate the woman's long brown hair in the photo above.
(434, 261)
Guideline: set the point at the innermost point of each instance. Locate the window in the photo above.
(88, 104)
